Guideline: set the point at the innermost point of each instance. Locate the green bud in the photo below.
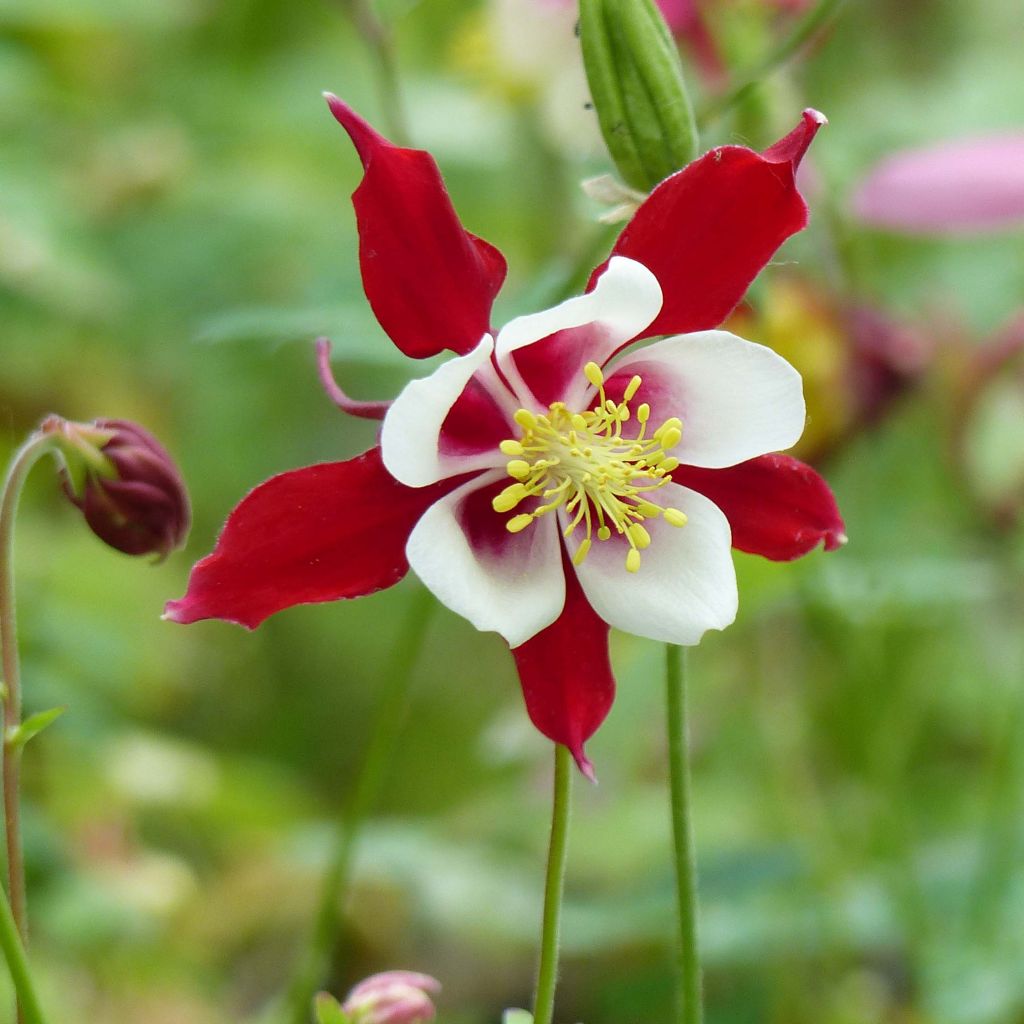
(19, 735)
(636, 84)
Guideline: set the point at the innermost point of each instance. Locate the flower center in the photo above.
(580, 461)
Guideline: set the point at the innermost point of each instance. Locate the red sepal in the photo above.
(777, 506)
(321, 533)
(566, 674)
(708, 230)
(430, 282)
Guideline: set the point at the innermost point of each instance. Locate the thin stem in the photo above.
(378, 37)
(29, 1010)
(814, 20)
(691, 1010)
(383, 740)
(23, 461)
(547, 971)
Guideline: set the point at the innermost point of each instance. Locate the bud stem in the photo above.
(24, 459)
(690, 1005)
(547, 971)
(814, 20)
(313, 966)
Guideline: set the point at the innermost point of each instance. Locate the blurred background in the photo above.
(175, 230)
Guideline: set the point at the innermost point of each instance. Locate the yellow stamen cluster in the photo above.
(580, 462)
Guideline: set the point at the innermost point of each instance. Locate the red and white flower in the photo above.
(552, 478)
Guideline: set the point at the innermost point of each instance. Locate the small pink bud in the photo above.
(131, 494)
(394, 997)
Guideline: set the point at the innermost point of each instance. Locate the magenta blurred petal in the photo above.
(950, 188)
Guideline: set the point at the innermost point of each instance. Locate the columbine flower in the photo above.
(954, 187)
(128, 487)
(546, 482)
(394, 997)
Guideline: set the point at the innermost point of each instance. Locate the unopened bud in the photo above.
(126, 484)
(394, 997)
(636, 84)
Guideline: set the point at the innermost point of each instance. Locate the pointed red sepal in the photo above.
(353, 406)
(777, 506)
(331, 531)
(430, 282)
(566, 674)
(708, 230)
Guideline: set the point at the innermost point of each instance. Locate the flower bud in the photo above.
(636, 84)
(394, 997)
(126, 484)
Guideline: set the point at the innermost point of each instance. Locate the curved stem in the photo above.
(29, 1009)
(383, 740)
(24, 459)
(815, 19)
(378, 37)
(691, 1009)
(547, 971)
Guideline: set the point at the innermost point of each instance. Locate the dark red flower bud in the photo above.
(132, 496)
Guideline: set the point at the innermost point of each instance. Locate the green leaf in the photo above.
(514, 1016)
(19, 735)
(328, 1010)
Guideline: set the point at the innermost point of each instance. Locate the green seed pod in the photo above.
(636, 83)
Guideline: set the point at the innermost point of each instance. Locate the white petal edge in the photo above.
(626, 299)
(516, 593)
(737, 399)
(410, 434)
(686, 584)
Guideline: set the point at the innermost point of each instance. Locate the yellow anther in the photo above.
(581, 551)
(633, 560)
(511, 448)
(648, 510)
(508, 498)
(643, 413)
(671, 438)
(674, 517)
(593, 373)
(518, 523)
(639, 536)
(667, 465)
(525, 419)
(603, 533)
(623, 412)
(631, 389)
(578, 422)
(518, 468)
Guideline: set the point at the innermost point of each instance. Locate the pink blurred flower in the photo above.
(949, 188)
(394, 997)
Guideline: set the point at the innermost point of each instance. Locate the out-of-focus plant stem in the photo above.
(24, 459)
(22, 462)
(804, 30)
(29, 1010)
(690, 1009)
(378, 37)
(547, 971)
(383, 740)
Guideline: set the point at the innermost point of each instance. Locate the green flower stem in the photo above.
(29, 1010)
(691, 1010)
(380, 42)
(811, 23)
(314, 966)
(24, 459)
(547, 971)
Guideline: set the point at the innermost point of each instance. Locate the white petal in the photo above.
(737, 399)
(512, 584)
(686, 583)
(409, 439)
(625, 300)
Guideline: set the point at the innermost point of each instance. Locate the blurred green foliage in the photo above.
(174, 230)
